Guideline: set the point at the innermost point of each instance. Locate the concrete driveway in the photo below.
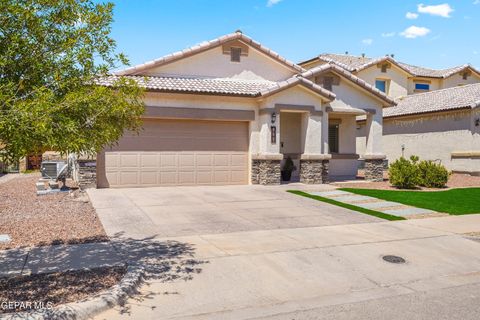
(180, 211)
(261, 253)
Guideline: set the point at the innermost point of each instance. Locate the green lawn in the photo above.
(347, 206)
(454, 201)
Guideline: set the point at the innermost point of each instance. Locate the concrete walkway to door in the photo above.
(183, 211)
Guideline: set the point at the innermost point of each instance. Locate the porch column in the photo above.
(314, 161)
(374, 156)
(265, 168)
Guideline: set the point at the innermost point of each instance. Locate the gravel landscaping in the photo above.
(50, 290)
(32, 220)
(456, 180)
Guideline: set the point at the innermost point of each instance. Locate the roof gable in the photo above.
(236, 37)
(361, 84)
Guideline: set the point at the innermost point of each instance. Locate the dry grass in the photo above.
(57, 288)
(33, 220)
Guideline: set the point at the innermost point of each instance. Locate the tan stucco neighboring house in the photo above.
(442, 125)
(230, 111)
(437, 115)
(396, 78)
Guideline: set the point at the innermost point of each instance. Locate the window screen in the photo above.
(333, 138)
(422, 86)
(235, 54)
(328, 83)
(381, 85)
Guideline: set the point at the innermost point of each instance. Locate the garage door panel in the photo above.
(168, 178)
(186, 177)
(129, 178)
(129, 160)
(180, 152)
(150, 160)
(148, 177)
(168, 160)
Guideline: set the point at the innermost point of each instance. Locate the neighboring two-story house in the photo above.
(437, 115)
(230, 111)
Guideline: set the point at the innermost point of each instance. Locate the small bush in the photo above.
(433, 175)
(405, 173)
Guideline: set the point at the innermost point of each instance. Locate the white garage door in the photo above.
(180, 152)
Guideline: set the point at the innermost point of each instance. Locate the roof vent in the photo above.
(238, 31)
(363, 55)
(392, 55)
(346, 52)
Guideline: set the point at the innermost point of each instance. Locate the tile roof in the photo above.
(353, 78)
(238, 35)
(215, 86)
(454, 98)
(218, 86)
(357, 63)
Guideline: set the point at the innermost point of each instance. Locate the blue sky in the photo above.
(435, 34)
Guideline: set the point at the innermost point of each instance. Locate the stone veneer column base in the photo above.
(374, 168)
(266, 170)
(314, 169)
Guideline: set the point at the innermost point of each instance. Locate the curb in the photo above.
(91, 307)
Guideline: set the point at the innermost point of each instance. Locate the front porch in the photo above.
(320, 144)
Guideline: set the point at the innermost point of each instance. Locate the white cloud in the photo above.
(442, 10)
(412, 15)
(475, 52)
(389, 34)
(414, 32)
(271, 3)
(367, 42)
(476, 2)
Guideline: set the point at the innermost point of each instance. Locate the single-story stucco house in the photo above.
(230, 111)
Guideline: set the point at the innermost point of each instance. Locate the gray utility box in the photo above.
(51, 169)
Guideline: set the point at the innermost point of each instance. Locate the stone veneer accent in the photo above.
(266, 171)
(374, 169)
(314, 171)
(86, 173)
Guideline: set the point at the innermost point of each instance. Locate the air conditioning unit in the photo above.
(51, 169)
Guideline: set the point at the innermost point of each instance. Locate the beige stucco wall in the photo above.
(213, 63)
(432, 138)
(398, 79)
(457, 80)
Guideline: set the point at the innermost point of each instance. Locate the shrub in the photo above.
(433, 175)
(405, 173)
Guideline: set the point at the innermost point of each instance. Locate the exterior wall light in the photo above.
(273, 117)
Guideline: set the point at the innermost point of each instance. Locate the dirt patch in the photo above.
(32, 220)
(49, 290)
(456, 180)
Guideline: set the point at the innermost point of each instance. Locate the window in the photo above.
(422, 86)
(333, 138)
(381, 85)
(328, 83)
(235, 54)
(384, 68)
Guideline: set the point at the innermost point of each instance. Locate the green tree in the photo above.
(51, 53)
